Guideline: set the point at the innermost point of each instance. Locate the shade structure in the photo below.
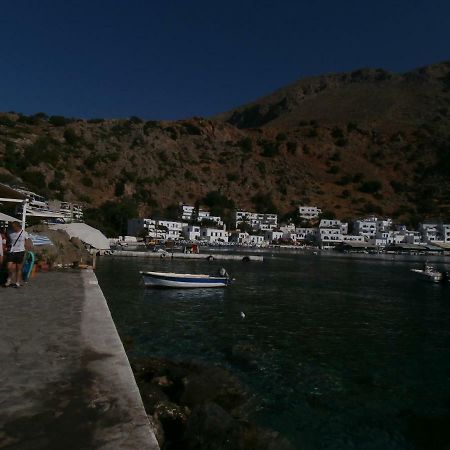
(10, 193)
(6, 218)
(89, 235)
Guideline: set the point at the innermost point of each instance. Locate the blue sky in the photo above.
(175, 59)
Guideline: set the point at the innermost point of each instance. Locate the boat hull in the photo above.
(182, 281)
(433, 277)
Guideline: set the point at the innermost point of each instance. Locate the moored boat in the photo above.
(183, 280)
(430, 273)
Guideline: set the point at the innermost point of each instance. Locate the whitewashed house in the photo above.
(309, 212)
(239, 238)
(158, 229)
(191, 232)
(369, 226)
(213, 235)
(445, 230)
(186, 212)
(430, 232)
(329, 236)
(306, 234)
(435, 232)
(334, 223)
(256, 220)
(273, 235)
(352, 238)
(255, 239)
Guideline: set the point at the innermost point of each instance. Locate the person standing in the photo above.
(19, 241)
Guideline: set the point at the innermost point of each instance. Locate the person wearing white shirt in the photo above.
(19, 241)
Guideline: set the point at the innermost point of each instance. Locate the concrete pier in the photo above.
(207, 256)
(65, 378)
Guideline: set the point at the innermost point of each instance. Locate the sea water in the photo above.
(338, 351)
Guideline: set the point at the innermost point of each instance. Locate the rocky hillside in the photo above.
(353, 143)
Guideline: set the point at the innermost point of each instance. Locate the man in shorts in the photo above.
(18, 241)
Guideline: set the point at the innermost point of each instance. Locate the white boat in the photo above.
(183, 280)
(431, 274)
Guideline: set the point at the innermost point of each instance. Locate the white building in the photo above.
(71, 212)
(334, 223)
(392, 237)
(369, 226)
(306, 234)
(239, 238)
(329, 236)
(257, 221)
(309, 212)
(213, 235)
(188, 212)
(445, 231)
(273, 235)
(255, 239)
(158, 229)
(352, 238)
(435, 232)
(191, 232)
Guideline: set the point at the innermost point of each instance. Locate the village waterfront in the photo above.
(338, 351)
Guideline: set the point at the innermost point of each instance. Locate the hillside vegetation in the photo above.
(363, 142)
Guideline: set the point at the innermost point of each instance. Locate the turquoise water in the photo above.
(340, 352)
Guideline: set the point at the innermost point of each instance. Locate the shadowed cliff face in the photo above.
(355, 143)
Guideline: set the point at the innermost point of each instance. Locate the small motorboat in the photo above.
(430, 273)
(184, 280)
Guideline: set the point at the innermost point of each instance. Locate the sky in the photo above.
(173, 59)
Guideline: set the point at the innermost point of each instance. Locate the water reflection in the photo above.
(182, 295)
(341, 351)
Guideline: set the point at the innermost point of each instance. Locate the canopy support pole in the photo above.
(24, 213)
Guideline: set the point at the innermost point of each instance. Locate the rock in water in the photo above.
(210, 427)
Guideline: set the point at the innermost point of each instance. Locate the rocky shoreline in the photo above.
(196, 407)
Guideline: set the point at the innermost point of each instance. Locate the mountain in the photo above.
(368, 141)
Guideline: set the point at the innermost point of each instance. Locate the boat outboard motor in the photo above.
(223, 272)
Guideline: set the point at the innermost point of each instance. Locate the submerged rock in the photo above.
(193, 407)
(210, 427)
(214, 384)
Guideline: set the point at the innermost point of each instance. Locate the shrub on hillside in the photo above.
(119, 189)
(269, 149)
(215, 199)
(246, 145)
(58, 121)
(34, 178)
(333, 170)
(71, 137)
(7, 122)
(370, 186)
(87, 181)
(263, 203)
(291, 147)
(351, 126)
(312, 133)
(43, 150)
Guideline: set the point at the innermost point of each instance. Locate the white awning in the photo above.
(6, 218)
(89, 235)
(44, 214)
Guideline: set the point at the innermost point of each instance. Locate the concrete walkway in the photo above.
(65, 379)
